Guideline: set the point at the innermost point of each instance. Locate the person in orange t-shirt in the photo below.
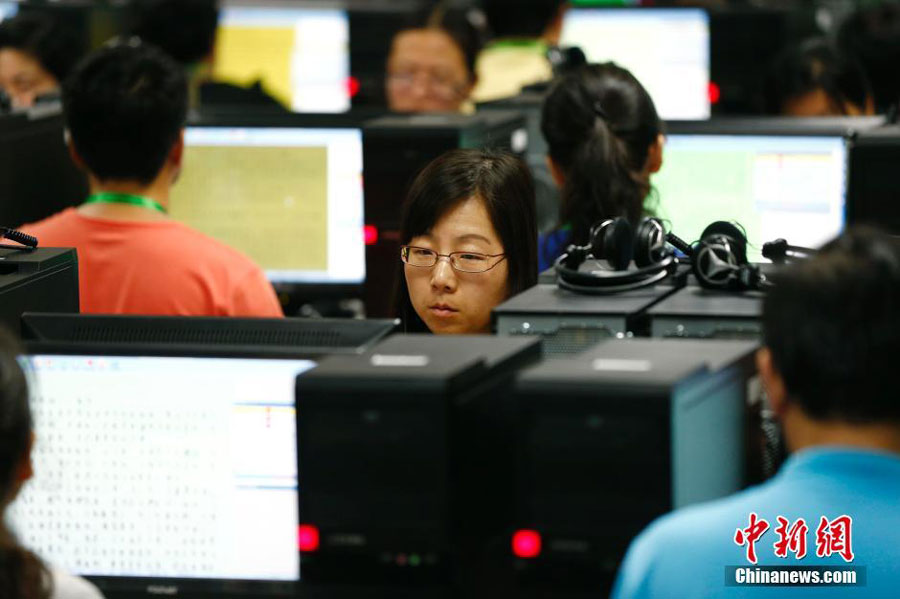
(125, 108)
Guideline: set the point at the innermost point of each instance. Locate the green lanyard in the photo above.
(537, 45)
(125, 198)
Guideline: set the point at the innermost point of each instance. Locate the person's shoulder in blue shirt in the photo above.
(551, 246)
(685, 554)
(831, 331)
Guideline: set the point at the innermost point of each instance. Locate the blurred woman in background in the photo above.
(432, 68)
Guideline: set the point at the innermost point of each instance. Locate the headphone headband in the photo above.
(613, 241)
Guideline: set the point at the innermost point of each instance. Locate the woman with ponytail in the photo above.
(605, 140)
(22, 574)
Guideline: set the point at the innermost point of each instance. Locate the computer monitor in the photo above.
(164, 475)
(8, 9)
(666, 49)
(300, 54)
(290, 198)
(775, 186)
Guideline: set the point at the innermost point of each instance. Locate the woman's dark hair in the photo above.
(22, 574)
(599, 123)
(51, 43)
(503, 183)
(812, 65)
(465, 26)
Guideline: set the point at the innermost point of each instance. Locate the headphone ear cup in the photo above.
(737, 237)
(613, 241)
(649, 242)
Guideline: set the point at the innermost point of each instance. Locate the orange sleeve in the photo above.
(255, 296)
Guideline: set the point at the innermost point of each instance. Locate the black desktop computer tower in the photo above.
(39, 280)
(696, 313)
(571, 322)
(614, 437)
(404, 458)
(395, 149)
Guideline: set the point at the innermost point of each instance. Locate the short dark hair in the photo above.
(871, 36)
(504, 183)
(55, 46)
(125, 106)
(599, 123)
(183, 29)
(812, 65)
(832, 324)
(521, 18)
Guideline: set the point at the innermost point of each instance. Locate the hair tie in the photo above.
(598, 109)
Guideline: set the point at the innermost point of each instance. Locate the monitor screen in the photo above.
(8, 9)
(163, 467)
(666, 49)
(300, 55)
(790, 187)
(289, 198)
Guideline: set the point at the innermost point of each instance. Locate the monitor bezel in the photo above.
(845, 127)
(203, 350)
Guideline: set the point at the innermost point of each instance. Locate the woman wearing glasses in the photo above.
(469, 241)
(432, 68)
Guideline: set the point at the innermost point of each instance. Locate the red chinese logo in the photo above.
(791, 538)
(834, 537)
(748, 536)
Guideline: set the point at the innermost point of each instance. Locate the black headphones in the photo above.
(615, 242)
(720, 260)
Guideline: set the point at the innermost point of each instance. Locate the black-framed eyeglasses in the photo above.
(461, 261)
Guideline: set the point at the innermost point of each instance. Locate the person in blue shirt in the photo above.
(605, 140)
(831, 328)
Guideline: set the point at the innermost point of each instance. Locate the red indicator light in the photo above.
(307, 538)
(526, 544)
(370, 234)
(352, 86)
(715, 94)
